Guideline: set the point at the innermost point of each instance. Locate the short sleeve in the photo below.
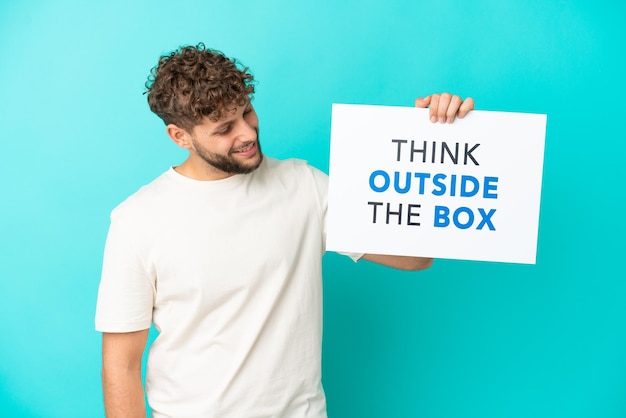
(127, 288)
(321, 181)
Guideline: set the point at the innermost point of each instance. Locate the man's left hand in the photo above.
(445, 107)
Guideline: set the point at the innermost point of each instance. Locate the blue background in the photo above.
(463, 339)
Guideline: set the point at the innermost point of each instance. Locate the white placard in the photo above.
(402, 185)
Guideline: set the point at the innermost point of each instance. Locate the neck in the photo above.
(200, 170)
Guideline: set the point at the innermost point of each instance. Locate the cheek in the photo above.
(222, 146)
(214, 146)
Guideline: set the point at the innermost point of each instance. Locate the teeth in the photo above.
(245, 148)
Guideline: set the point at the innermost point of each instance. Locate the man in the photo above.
(223, 255)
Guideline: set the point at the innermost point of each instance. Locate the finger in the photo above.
(422, 102)
(466, 106)
(434, 104)
(453, 108)
(442, 109)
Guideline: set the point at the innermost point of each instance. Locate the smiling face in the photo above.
(230, 145)
(222, 148)
(204, 99)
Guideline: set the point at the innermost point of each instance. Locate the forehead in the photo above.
(228, 111)
(227, 114)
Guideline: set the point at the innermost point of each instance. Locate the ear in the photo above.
(180, 136)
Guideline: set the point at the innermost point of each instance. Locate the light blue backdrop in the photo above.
(464, 339)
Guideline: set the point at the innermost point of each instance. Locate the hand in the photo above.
(445, 107)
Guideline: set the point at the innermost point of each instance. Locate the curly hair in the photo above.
(194, 82)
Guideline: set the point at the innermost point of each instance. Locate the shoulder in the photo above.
(295, 169)
(296, 179)
(144, 201)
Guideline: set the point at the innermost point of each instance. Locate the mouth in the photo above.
(246, 150)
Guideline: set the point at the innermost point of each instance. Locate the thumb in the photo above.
(422, 102)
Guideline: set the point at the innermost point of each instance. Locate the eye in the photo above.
(225, 130)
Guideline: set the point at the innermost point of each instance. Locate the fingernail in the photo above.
(442, 119)
(433, 119)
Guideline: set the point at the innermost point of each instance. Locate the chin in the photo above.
(257, 164)
(250, 166)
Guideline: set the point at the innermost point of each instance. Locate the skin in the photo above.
(445, 107)
(121, 374)
(234, 138)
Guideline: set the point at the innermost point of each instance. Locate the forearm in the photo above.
(121, 374)
(400, 262)
(123, 393)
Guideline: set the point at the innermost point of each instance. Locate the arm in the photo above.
(444, 108)
(121, 374)
(400, 262)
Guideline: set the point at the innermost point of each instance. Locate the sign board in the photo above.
(402, 185)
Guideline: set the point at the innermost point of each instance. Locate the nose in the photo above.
(248, 128)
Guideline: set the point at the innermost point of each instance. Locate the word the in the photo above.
(411, 213)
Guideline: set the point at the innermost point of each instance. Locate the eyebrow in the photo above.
(224, 124)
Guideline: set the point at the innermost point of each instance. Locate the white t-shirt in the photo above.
(229, 272)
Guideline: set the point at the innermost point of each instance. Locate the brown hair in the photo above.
(194, 82)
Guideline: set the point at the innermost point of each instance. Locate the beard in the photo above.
(228, 163)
